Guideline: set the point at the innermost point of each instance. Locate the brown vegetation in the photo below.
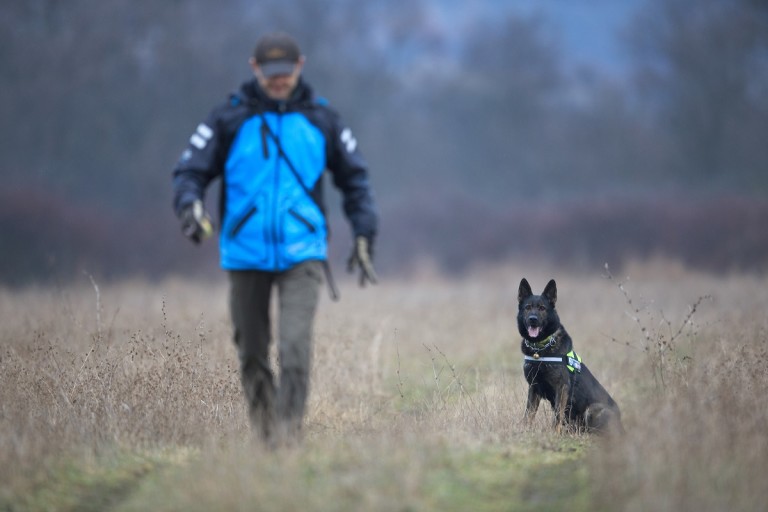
(413, 380)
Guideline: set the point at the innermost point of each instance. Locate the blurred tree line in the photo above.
(483, 145)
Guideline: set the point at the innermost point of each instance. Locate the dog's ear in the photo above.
(550, 291)
(524, 291)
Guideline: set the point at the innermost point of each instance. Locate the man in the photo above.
(270, 143)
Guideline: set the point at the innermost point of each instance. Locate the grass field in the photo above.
(126, 396)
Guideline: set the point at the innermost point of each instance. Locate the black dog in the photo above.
(555, 372)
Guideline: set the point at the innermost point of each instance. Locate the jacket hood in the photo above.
(252, 91)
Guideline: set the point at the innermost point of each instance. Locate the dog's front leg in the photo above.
(561, 400)
(532, 404)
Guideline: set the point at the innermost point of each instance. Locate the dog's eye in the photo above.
(541, 307)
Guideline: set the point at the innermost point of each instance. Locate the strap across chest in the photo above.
(571, 360)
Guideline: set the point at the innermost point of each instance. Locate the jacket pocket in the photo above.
(241, 222)
(296, 215)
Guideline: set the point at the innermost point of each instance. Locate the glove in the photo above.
(361, 256)
(195, 222)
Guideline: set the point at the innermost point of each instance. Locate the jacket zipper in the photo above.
(240, 223)
(276, 197)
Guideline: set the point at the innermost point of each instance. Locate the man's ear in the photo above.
(300, 64)
(254, 67)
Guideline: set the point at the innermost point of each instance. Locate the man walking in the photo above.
(271, 143)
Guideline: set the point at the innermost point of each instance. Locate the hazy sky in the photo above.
(587, 30)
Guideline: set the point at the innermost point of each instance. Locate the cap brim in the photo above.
(280, 67)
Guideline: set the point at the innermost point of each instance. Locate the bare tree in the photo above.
(702, 65)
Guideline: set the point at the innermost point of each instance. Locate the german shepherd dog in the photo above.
(554, 371)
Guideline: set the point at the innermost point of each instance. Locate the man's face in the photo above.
(278, 87)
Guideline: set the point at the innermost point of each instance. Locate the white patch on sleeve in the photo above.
(348, 140)
(197, 141)
(204, 131)
(202, 135)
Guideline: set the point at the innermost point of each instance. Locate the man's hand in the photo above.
(361, 257)
(195, 222)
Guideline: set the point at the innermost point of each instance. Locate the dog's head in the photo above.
(536, 315)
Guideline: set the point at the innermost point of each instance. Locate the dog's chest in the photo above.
(543, 373)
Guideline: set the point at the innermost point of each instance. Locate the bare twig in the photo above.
(399, 377)
(456, 378)
(660, 346)
(98, 305)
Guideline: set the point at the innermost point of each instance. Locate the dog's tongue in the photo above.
(533, 331)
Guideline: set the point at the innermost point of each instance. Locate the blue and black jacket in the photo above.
(271, 207)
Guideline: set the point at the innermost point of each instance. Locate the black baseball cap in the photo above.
(277, 54)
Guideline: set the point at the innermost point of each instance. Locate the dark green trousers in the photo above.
(275, 408)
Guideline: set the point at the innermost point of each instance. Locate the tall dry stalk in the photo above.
(662, 344)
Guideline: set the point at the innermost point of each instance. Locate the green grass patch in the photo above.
(507, 480)
(403, 473)
(90, 483)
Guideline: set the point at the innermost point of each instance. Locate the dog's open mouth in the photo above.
(533, 331)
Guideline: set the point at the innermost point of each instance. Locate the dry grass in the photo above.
(127, 395)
